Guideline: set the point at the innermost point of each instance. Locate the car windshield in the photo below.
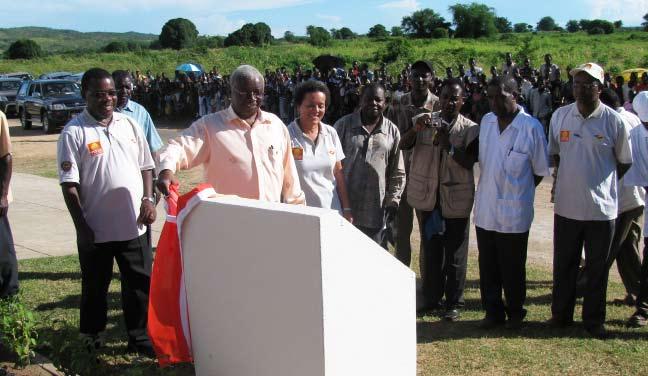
(60, 88)
(9, 85)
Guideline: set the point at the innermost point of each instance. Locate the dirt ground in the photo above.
(35, 153)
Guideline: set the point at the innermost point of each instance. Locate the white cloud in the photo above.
(402, 4)
(329, 18)
(216, 24)
(629, 11)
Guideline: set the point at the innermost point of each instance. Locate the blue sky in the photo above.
(216, 17)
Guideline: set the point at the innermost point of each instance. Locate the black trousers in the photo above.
(134, 259)
(8, 261)
(444, 261)
(376, 234)
(405, 224)
(502, 267)
(625, 248)
(569, 238)
(642, 297)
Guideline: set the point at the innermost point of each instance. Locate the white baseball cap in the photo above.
(640, 105)
(592, 69)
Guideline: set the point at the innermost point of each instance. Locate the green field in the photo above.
(616, 52)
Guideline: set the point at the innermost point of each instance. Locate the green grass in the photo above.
(618, 51)
(51, 287)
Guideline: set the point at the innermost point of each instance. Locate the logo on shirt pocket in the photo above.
(95, 148)
(564, 136)
(298, 153)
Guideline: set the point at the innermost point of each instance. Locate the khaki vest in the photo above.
(430, 166)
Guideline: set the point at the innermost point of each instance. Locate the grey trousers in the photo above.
(8, 261)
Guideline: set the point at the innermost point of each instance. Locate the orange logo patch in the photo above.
(298, 153)
(564, 136)
(95, 148)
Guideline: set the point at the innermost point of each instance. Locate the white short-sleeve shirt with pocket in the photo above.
(507, 162)
(589, 149)
(637, 175)
(107, 163)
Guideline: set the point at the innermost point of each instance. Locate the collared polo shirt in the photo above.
(508, 161)
(5, 145)
(629, 197)
(315, 163)
(373, 168)
(589, 149)
(637, 175)
(143, 118)
(253, 162)
(107, 164)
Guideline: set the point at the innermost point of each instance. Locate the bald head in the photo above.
(247, 91)
(245, 73)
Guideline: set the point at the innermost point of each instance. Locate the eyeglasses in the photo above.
(255, 93)
(102, 94)
(585, 85)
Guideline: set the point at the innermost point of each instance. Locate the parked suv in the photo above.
(50, 103)
(8, 89)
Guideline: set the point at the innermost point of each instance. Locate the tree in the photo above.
(346, 33)
(116, 46)
(378, 31)
(645, 23)
(473, 20)
(178, 33)
(250, 35)
(572, 26)
(503, 25)
(318, 36)
(606, 27)
(24, 49)
(618, 24)
(522, 27)
(440, 33)
(421, 23)
(546, 24)
(397, 48)
(396, 31)
(289, 37)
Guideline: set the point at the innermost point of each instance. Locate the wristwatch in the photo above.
(451, 151)
(146, 198)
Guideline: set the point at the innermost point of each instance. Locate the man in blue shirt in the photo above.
(124, 87)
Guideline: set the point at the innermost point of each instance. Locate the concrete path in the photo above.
(40, 222)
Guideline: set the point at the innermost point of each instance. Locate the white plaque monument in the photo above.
(282, 290)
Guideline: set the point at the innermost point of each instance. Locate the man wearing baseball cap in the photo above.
(590, 145)
(638, 176)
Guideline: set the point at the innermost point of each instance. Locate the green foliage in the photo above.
(645, 23)
(378, 31)
(503, 25)
(23, 49)
(318, 36)
(595, 27)
(122, 46)
(422, 22)
(473, 20)
(397, 48)
(396, 31)
(618, 24)
(205, 41)
(250, 34)
(522, 27)
(547, 24)
(178, 33)
(439, 33)
(17, 328)
(572, 26)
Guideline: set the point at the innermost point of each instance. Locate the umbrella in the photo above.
(327, 62)
(639, 71)
(189, 67)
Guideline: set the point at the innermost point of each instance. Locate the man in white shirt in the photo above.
(512, 161)
(106, 174)
(638, 176)
(592, 151)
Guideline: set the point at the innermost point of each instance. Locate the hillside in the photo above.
(616, 52)
(57, 40)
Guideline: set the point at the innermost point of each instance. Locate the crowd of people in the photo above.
(395, 148)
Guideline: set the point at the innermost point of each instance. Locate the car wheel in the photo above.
(26, 124)
(47, 126)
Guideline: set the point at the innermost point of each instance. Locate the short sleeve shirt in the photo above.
(508, 161)
(5, 144)
(637, 175)
(106, 162)
(143, 118)
(315, 163)
(589, 149)
(630, 197)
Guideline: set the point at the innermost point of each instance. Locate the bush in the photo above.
(24, 49)
(439, 33)
(399, 48)
(118, 46)
(378, 31)
(17, 329)
(318, 36)
(178, 33)
(257, 34)
(595, 31)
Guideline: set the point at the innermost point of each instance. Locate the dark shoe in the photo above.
(144, 349)
(637, 320)
(93, 342)
(597, 331)
(490, 323)
(428, 310)
(514, 323)
(451, 315)
(628, 300)
(557, 323)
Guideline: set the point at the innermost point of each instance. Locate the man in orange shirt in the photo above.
(8, 263)
(245, 151)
